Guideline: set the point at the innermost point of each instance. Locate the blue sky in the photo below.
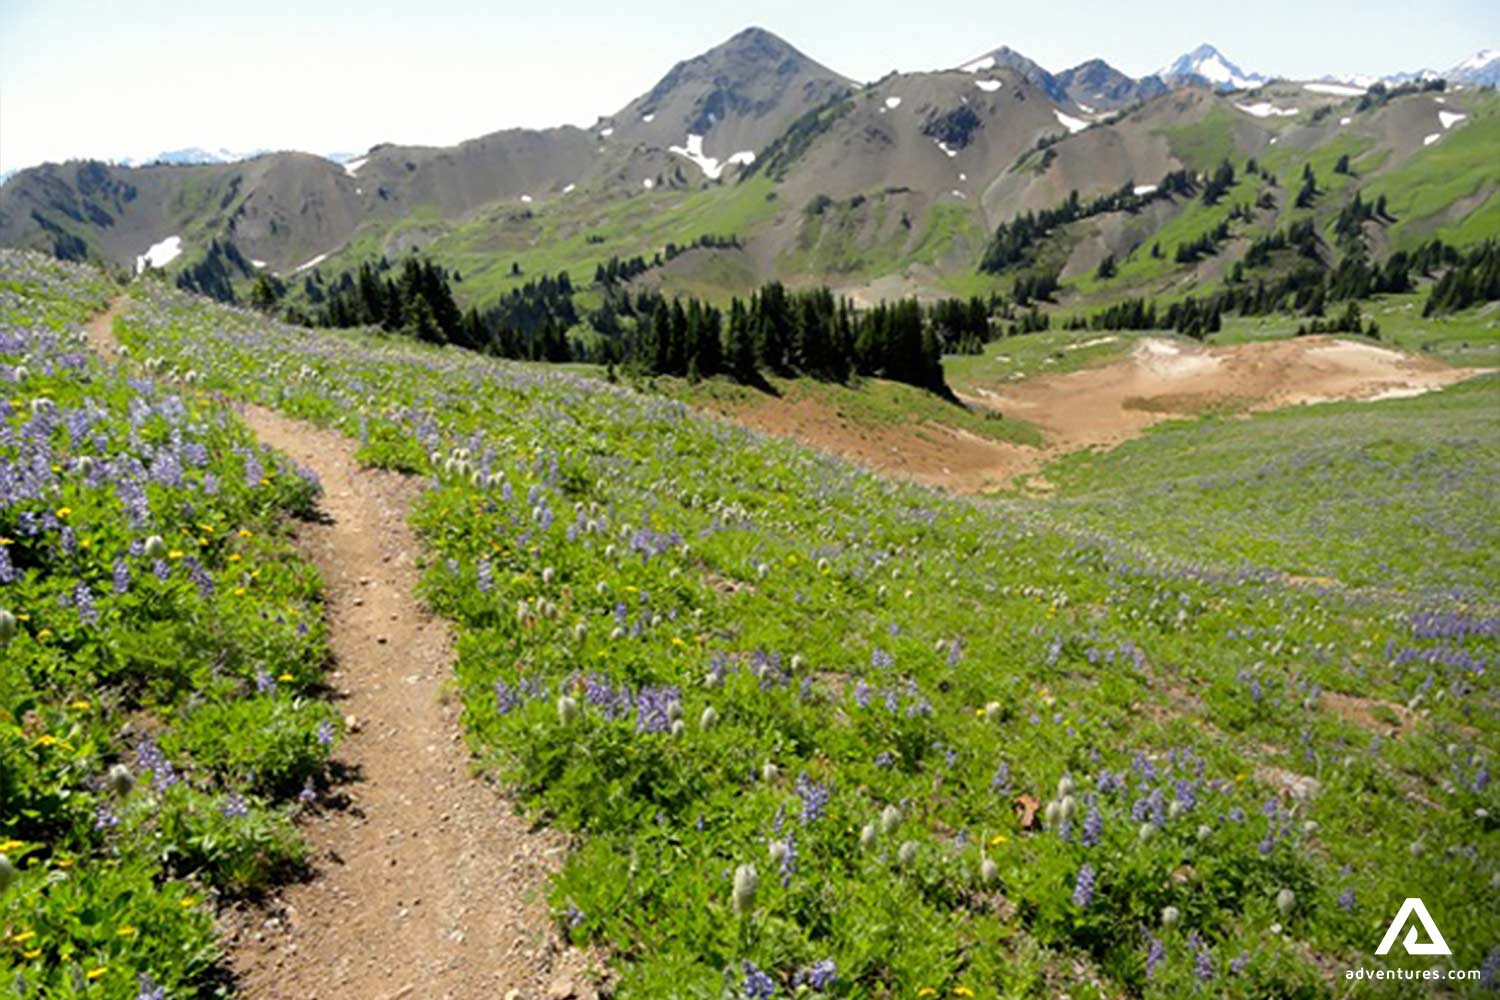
(83, 78)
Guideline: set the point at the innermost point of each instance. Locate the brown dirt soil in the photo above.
(928, 452)
(100, 329)
(1101, 407)
(1161, 379)
(427, 884)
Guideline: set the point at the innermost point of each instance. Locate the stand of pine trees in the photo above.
(1012, 242)
(810, 333)
(1474, 279)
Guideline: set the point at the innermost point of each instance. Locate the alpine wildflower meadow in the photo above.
(812, 732)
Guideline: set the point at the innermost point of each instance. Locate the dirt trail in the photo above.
(100, 329)
(427, 884)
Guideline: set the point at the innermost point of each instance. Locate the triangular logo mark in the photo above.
(1434, 945)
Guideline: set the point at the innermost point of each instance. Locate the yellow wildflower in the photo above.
(63, 513)
(125, 932)
(96, 973)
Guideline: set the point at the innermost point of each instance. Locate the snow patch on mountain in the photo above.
(711, 167)
(1069, 122)
(159, 254)
(1336, 89)
(1265, 109)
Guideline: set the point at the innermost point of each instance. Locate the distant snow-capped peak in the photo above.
(1480, 59)
(1212, 65)
(191, 155)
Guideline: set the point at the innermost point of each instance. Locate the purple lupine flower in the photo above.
(1083, 889)
(819, 975)
(148, 757)
(653, 708)
(758, 985)
(862, 694)
(885, 759)
(1346, 900)
(881, 660)
(1237, 963)
(264, 682)
(254, 472)
(574, 916)
(200, 577)
(121, 576)
(105, 818)
(955, 652)
(325, 733)
(308, 794)
(789, 860)
(1093, 827)
(486, 576)
(1000, 783)
(507, 699)
(1489, 972)
(1155, 952)
(83, 599)
(814, 798)
(1203, 958)
(149, 990)
(234, 806)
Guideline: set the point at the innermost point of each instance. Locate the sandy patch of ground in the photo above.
(1162, 379)
(1159, 379)
(927, 452)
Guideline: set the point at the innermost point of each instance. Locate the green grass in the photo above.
(163, 645)
(576, 233)
(1395, 494)
(1467, 339)
(1048, 353)
(864, 402)
(1204, 144)
(653, 607)
(1459, 166)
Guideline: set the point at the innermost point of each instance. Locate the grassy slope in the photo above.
(197, 671)
(1468, 339)
(1399, 493)
(1194, 688)
(863, 403)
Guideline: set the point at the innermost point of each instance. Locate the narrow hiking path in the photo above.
(427, 883)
